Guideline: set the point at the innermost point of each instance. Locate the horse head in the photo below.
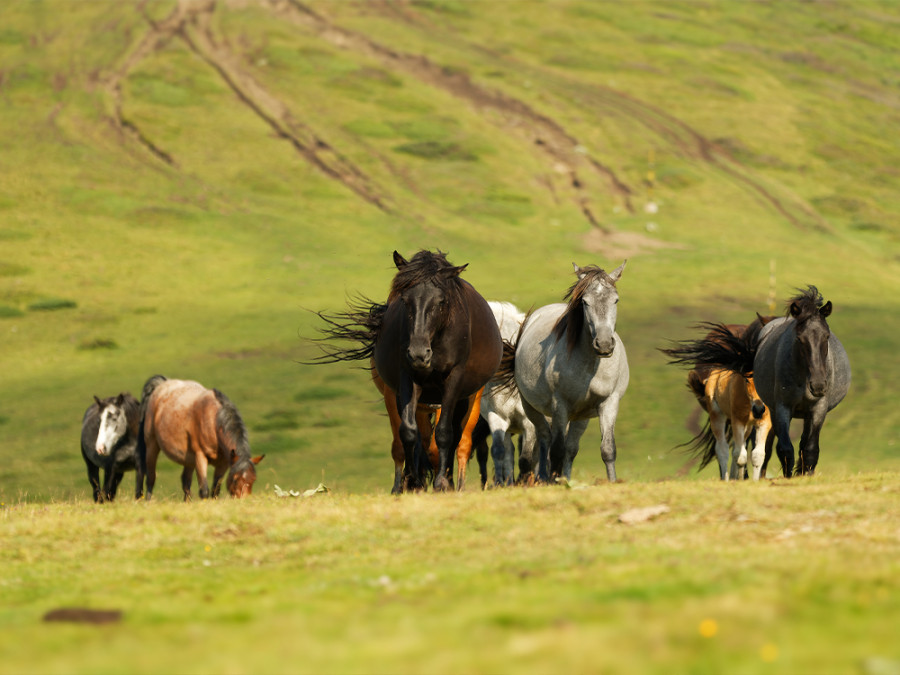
(113, 424)
(242, 475)
(427, 285)
(595, 292)
(812, 338)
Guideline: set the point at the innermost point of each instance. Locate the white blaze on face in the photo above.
(112, 428)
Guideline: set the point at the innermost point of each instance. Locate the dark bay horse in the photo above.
(195, 426)
(434, 342)
(800, 368)
(109, 437)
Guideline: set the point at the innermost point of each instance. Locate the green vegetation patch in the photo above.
(52, 305)
(438, 150)
(7, 312)
(12, 270)
(95, 344)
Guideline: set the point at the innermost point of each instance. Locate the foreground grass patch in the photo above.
(737, 577)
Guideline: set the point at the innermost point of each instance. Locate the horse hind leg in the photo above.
(739, 449)
(464, 447)
(717, 424)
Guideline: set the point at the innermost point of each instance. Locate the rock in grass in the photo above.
(643, 514)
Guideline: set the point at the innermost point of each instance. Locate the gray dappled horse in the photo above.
(570, 366)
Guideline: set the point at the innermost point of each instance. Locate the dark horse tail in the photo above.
(719, 349)
(141, 449)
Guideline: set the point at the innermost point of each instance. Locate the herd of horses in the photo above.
(455, 370)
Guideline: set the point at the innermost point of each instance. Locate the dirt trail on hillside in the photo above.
(565, 153)
(673, 132)
(190, 22)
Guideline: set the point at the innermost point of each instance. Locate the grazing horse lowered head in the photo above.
(569, 365)
(109, 437)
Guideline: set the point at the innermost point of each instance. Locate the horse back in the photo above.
(181, 416)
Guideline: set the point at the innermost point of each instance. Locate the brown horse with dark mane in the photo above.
(195, 427)
(434, 342)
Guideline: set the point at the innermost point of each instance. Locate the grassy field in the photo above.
(182, 185)
(782, 577)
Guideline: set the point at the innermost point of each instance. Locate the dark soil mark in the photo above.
(83, 615)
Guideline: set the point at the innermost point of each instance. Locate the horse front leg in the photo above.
(739, 449)
(94, 478)
(407, 400)
(784, 448)
(609, 411)
(559, 422)
(573, 441)
(717, 423)
(758, 454)
(809, 440)
(202, 467)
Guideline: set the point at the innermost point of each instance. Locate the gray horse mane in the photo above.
(571, 322)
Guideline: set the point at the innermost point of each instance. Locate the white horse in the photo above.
(502, 407)
(570, 366)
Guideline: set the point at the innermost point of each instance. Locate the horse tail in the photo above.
(231, 433)
(360, 325)
(505, 375)
(141, 450)
(719, 349)
(702, 446)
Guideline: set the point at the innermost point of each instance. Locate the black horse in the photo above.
(435, 341)
(109, 433)
(800, 369)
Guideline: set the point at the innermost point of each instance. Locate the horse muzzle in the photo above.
(419, 359)
(604, 349)
(101, 449)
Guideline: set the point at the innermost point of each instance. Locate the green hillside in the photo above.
(182, 183)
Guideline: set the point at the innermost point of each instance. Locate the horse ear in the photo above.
(795, 310)
(578, 271)
(120, 399)
(399, 261)
(454, 271)
(257, 460)
(825, 310)
(99, 403)
(616, 274)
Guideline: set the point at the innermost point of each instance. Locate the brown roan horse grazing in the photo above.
(195, 427)
(434, 342)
